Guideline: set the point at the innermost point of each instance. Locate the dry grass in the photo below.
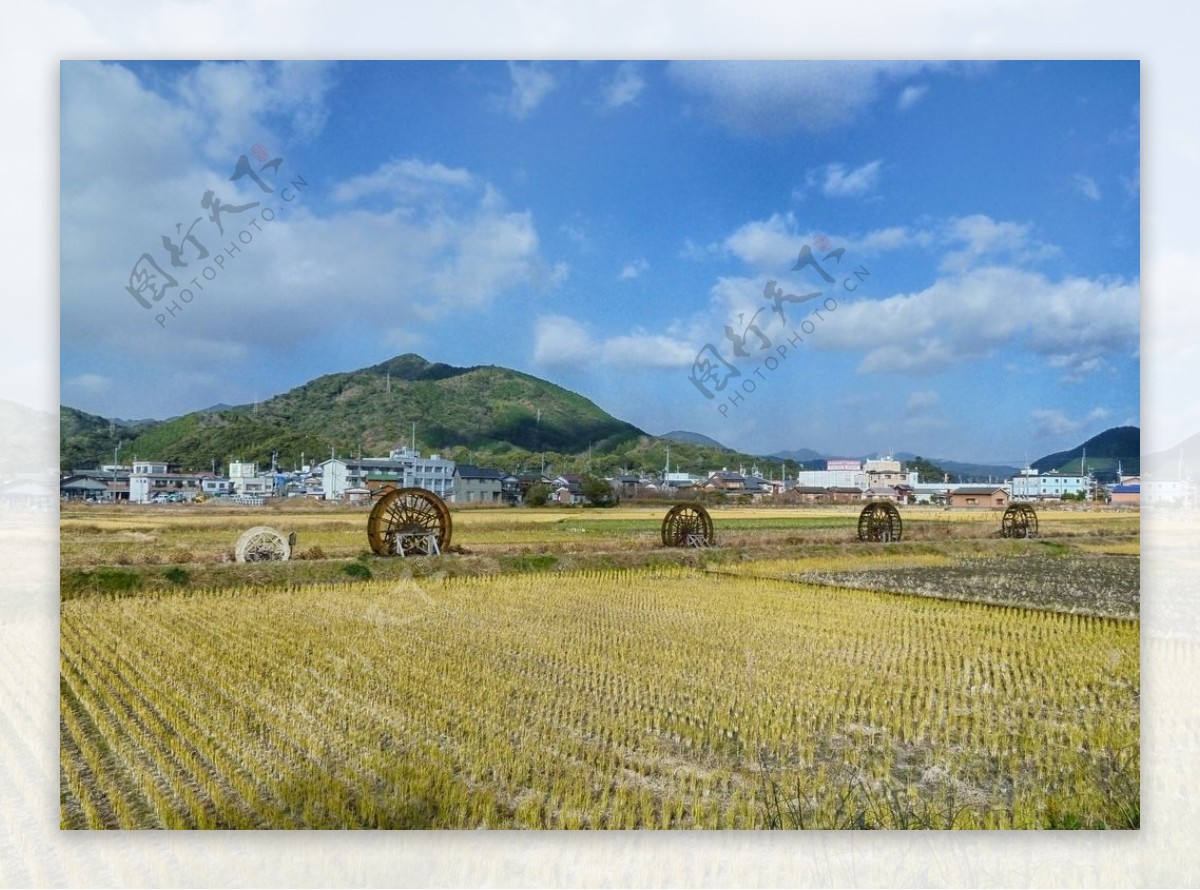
(649, 698)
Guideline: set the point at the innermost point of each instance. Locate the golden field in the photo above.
(566, 671)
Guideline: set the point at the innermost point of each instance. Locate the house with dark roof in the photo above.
(476, 485)
(726, 480)
(568, 489)
(78, 487)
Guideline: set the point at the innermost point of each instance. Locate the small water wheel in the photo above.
(263, 544)
(1019, 521)
(880, 521)
(687, 525)
(409, 522)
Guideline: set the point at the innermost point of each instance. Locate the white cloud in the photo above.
(1087, 187)
(770, 244)
(643, 350)
(910, 96)
(577, 234)
(404, 180)
(1051, 423)
(978, 237)
(89, 383)
(732, 296)
(561, 342)
(413, 241)
(244, 101)
(632, 270)
(627, 84)
(1078, 325)
(693, 251)
(841, 183)
(921, 402)
(769, 97)
(94, 95)
(531, 83)
(892, 238)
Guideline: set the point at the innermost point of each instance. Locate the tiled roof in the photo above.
(470, 471)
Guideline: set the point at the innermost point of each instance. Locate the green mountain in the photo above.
(690, 438)
(481, 411)
(1121, 445)
(87, 440)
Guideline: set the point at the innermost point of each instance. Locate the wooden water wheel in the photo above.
(1019, 521)
(409, 522)
(687, 525)
(263, 544)
(880, 521)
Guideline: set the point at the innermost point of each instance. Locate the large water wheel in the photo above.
(880, 521)
(1019, 521)
(409, 522)
(687, 525)
(263, 544)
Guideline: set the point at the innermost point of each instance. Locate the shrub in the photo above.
(598, 492)
(538, 494)
(115, 580)
(535, 562)
(176, 575)
(357, 570)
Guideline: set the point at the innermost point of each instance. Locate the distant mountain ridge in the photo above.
(1120, 446)
(689, 438)
(800, 456)
(372, 409)
(483, 414)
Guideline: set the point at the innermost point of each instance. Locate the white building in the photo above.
(830, 479)
(1030, 485)
(215, 486)
(152, 479)
(247, 481)
(852, 474)
(404, 468)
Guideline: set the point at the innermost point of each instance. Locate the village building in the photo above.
(477, 485)
(1127, 494)
(403, 468)
(979, 497)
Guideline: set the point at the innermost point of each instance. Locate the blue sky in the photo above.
(598, 224)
